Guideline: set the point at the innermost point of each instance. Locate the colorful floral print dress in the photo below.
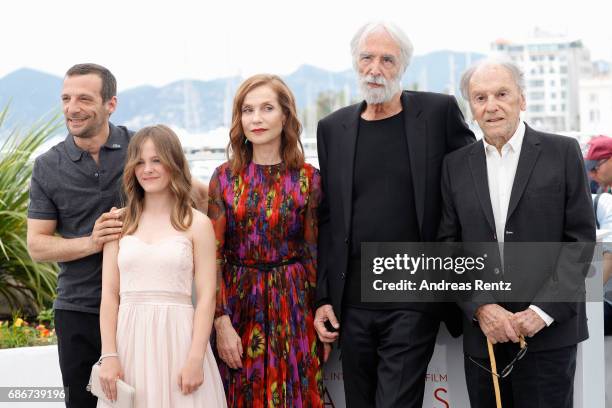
(265, 222)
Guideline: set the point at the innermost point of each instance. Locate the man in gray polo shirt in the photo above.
(74, 193)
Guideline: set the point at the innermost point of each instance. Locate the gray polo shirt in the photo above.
(68, 186)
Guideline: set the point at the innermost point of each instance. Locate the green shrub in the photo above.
(46, 316)
(23, 282)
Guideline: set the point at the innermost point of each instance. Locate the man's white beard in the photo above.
(378, 95)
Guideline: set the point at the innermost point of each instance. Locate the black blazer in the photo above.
(550, 201)
(434, 127)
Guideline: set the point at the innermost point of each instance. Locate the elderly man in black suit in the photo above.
(380, 167)
(516, 185)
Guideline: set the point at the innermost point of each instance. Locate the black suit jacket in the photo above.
(550, 201)
(434, 127)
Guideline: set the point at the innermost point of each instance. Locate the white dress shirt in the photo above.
(501, 169)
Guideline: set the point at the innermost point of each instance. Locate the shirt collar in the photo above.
(515, 142)
(113, 142)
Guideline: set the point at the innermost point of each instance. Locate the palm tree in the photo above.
(23, 282)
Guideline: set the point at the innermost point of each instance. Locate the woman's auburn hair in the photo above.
(170, 153)
(239, 153)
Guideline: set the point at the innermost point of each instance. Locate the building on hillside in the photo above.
(553, 68)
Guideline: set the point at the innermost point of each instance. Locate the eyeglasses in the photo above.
(507, 369)
(599, 163)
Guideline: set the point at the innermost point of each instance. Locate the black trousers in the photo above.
(79, 346)
(385, 354)
(542, 379)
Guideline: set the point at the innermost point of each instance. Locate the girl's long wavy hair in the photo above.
(170, 153)
(240, 153)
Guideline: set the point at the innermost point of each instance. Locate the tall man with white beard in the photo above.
(380, 168)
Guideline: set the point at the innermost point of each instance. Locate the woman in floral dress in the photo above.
(263, 204)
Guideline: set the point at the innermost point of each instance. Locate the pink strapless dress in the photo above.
(155, 324)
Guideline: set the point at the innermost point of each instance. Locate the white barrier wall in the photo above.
(33, 367)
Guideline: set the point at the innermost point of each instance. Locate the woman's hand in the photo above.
(229, 344)
(191, 376)
(110, 371)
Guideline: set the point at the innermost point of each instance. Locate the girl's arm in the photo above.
(205, 283)
(109, 308)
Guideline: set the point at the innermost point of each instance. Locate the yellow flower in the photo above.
(256, 345)
(303, 182)
(275, 400)
(18, 322)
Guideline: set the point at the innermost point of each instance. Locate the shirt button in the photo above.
(96, 174)
(346, 240)
(496, 271)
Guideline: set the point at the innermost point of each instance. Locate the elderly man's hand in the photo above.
(495, 322)
(326, 313)
(527, 322)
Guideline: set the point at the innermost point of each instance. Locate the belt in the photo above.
(264, 266)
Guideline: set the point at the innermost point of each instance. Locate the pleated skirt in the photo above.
(154, 331)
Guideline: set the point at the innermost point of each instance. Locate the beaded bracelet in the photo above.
(103, 356)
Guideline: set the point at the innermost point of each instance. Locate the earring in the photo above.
(246, 141)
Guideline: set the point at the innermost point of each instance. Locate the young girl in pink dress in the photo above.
(152, 336)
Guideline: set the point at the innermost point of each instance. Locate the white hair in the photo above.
(402, 40)
(504, 62)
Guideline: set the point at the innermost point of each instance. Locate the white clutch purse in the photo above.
(125, 392)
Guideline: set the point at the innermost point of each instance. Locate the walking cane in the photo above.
(494, 370)
(494, 374)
